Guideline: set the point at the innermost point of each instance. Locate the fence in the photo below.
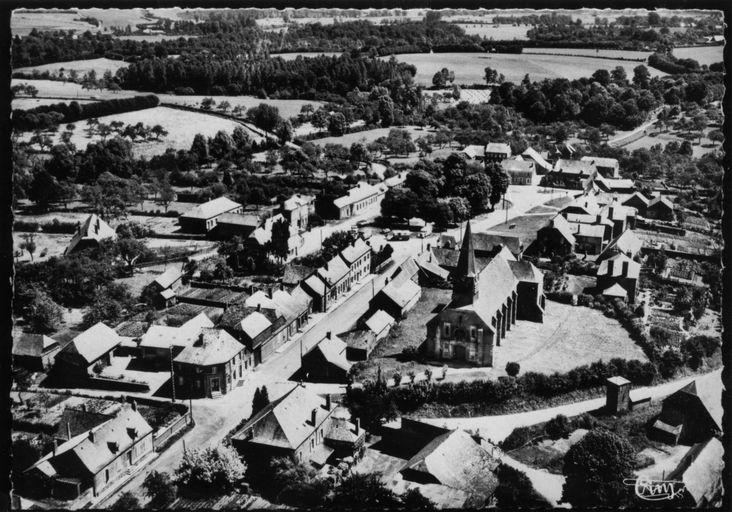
(162, 437)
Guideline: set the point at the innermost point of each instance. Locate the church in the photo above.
(487, 299)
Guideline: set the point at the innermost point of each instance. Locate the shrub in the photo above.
(218, 467)
(513, 368)
(159, 487)
(126, 501)
(584, 299)
(558, 427)
(517, 438)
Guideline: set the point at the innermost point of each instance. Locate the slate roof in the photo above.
(358, 193)
(487, 242)
(637, 195)
(566, 166)
(296, 201)
(536, 157)
(334, 351)
(497, 147)
(295, 273)
(402, 293)
(33, 345)
(583, 218)
(286, 421)
(239, 219)
(358, 338)
(254, 324)
(379, 321)
(316, 284)
(513, 165)
(93, 343)
(432, 268)
(474, 151)
(445, 257)
(215, 346)
(340, 429)
(81, 452)
(525, 271)
(455, 460)
(627, 243)
(406, 271)
(334, 270)
(662, 200)
(211, 208)
(701, 472)
(600, 161)
(78, 421)
(355, 251)
(587, 230)
(615, 291)
(93, 228)
(168, 278)
(618, 260)
(495, 282)
(163, 336)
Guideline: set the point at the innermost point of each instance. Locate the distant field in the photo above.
(473, 96)
(293, 56)
(181, 125)
(71, 90)
(468, 67)
(22, 23)
(287, 108)
(367, 136)
(152, 37)
(496, 32)
(590, 52)
(99, 66)
(28, 103)
(704, 54)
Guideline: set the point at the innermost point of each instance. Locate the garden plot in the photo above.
(82, 67)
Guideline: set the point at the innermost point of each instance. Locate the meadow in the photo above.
(99, 66)
(589, 52)
(468, 67)
(702, 54)
(496, 32)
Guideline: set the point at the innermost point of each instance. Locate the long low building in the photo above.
(358, 199)
(204, 217)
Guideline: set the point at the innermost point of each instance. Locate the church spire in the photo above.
(465, 277)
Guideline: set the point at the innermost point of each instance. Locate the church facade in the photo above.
(485, 304)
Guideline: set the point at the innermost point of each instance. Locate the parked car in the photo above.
(362, 223)
(398, 237)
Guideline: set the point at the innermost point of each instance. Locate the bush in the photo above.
(558, 427)
(218, 467)
(562, 297)
(517, 438)
(512, 369)
(160, 488)
(126, 501)
(584, 299)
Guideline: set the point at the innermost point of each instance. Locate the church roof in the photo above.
(466, 259)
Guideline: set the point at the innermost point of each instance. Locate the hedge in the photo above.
(41, 117)
(55, 226)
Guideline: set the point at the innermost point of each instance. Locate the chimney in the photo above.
(270, 290)
(625, 269)
(68, 430)
(328, 334)
(327, 402)
(610, 212)
(326, 266)
(91, 435)
(282, 286)
(259, 307)
(55, 446)
(599, 218)
(358, 426)
(133, 404)
(83, 407)
(610, 267)
(313, 416)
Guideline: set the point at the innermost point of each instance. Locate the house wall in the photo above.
(476, 347)
(318, 369)
(110, 473)
(659, 213)
(587, 244)
(521, 178)
(530, 301)
(197, 381)
(550, 242)
(191, 225)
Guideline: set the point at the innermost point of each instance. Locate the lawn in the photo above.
(702, 54)
(99, 66)
(182, 127)
(469, 67)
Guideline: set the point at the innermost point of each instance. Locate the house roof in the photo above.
(455, 460)
(701, 471)
(357, 193)
(627, 243)
(379, 321)
(402, 293)
(84, 454)
(295, 273)
(78, 421)
(536, 157)
(617, 261)
(334, 351)
(488, 241)
(334, 270)
(514, 165)
(215, 346)
(168, 278)
(615, 291)
(296, 201)
(616, 183)
(583, 218)
(526, 271)
(211, 208)
(660, 201)
(566, 166)
(587, 203)
(286, 421)
(354, 251)
(239, 219)
(587, 230)
(466, 258)
(163, 336)
(474, 151)
(405, 271)
(560, 224)
(33, 345)
(497, 147)
(93, 228)
(340, 429)
(495, 282)
(637, 196)
(93, 343)
(358, 338)
(618, 380)
(315, 284)
(600, 161)
(254, 324)
(445, 257)
(432, 268)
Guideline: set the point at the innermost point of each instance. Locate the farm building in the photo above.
(552, 236)
(93, 347)
(497, 152)
(621, 271)
(454, 459)
(571, 174)
(229, 225)
(660, 208)
(297, 210)
(589, 238)
(211, 365)
(215, 297)
(90, 234)
(688, 416)
(592, 220)
(94, 460)
(326, 361)
(300, 425)
(380, 323)
(563, 151)
(474, 152)
(484, 305)
(701, 471)
(203, 218)
(358, 199)
(359, 343)
(606, 167)
(34, 352)
(161, 343)
(521, 172)
(164, 288)
(614, 185)
(397, 297)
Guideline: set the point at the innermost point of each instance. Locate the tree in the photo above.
(221, 145)
(29, 244)
(477, 190)
(158, 131)
(279, 243)
(199, 148)
(126, 501)
(594, 469)
(110, 305)
(443, 77)
(261, 400)
(400, 142)
(218, 468)
(43, 314)
(512, 368)
(130, 250)
(207, 103)
(160, 489)
(166, 194)
(44, 189)
(558, 427)
(716, 136)
(367, 490)
(499, 184)
(264, 116)
(224, 106)
(297, 484)
(515, 490)
(399, 202)
(618, 74)
(337, 124)
(413, 499)
(492, 76)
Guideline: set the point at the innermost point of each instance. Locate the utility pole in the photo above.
(172, 372)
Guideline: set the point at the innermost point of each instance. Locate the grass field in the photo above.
(496, 32)
(655, 137)
(287, 108)
(152, 38)
(293, 56)
(28, 103)
(182, 127)
(368, 136)
(99, 66)
(72, 90)
(703, 55)
(469, 67)
(589, 52)
(21, 23)
(473, 96)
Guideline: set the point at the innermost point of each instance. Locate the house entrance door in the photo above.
(458, 352)
(214, 385)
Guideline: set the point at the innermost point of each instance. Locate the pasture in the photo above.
(589, 52)
(21, 23)
(368, 136)
(82, 67)
(496, 32)
(29, 103)
(702, 54)
(287, 108)
(468, 67)
(72, 90)
(182, 127)
(305, 55)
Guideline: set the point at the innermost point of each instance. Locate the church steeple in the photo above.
(464, 288)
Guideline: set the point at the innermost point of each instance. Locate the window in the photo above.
(446, 329)
(472, 332)
(106, 476)
(180, 380)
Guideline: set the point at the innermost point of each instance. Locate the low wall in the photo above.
(162, 438)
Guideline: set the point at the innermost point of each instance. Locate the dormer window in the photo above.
(132, 432)
(113, 446)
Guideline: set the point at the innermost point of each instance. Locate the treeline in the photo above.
(671, 65)
(46, 116)
(311, 78)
